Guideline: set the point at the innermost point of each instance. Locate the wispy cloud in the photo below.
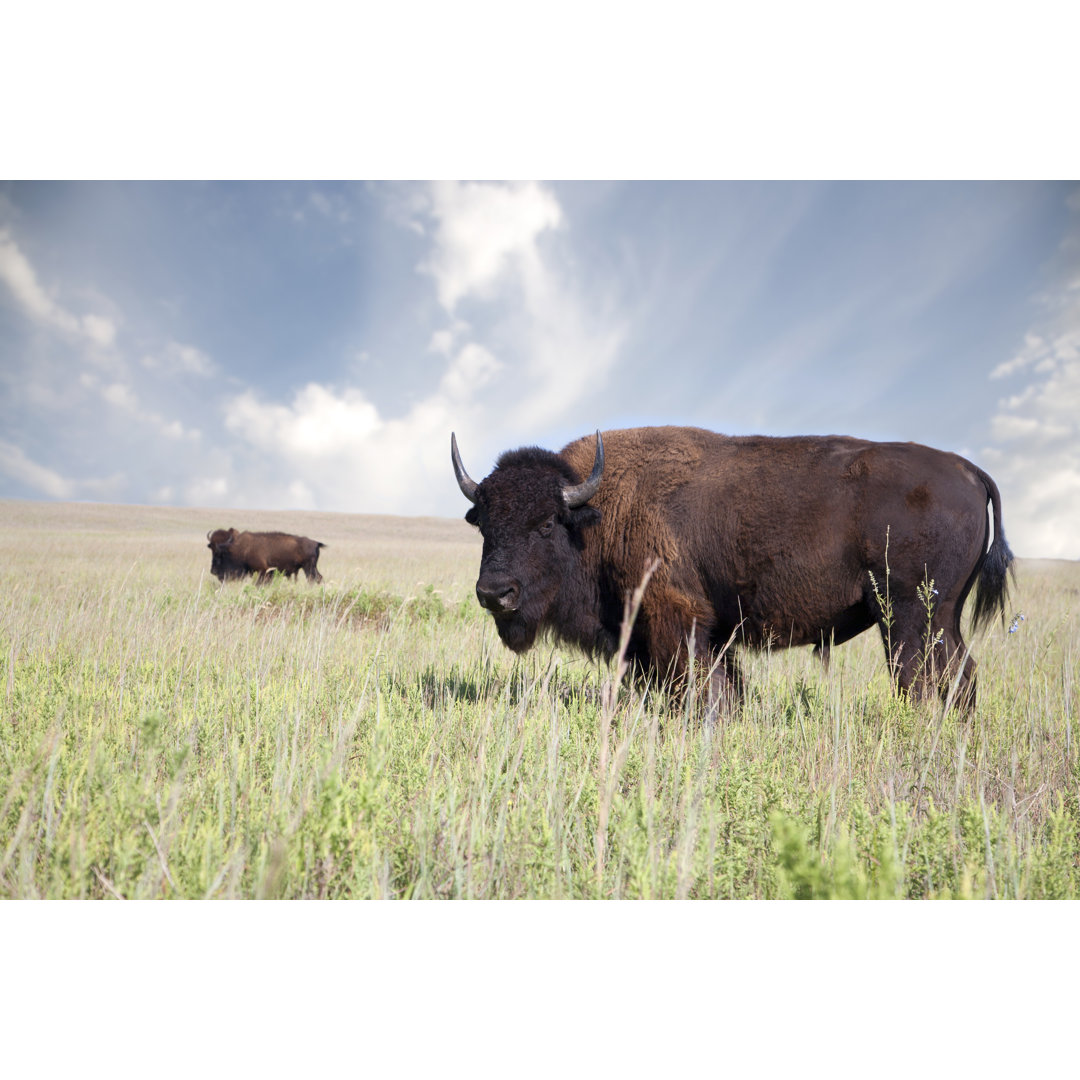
(319, 424)
(122, 396)
(333, 449)
(16, 465)
(19, 276)
(175, 358)
(486, 244)
(483, 234)
(335, 443)
(78, 373)
(1035, 455)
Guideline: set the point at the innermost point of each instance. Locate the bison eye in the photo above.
(545, 529)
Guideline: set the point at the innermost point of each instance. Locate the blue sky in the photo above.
(312, 345)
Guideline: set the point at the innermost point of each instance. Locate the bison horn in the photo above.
(465, 481)
(580, 494)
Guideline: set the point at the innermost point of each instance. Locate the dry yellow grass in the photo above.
(154, 543)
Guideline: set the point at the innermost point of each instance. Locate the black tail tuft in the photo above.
(993, 588)
(994, 570)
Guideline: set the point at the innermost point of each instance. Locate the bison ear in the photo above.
(472, 516)
(583, 517)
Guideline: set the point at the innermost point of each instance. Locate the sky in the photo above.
(289, 345)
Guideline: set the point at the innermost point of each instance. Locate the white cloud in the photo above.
(570, 350)
(335, 448)
(178, 359)
(99, 330)
(1036, 461)
(1033, 347)
(51, 378)
(23, 470)
(14, 463)
(318, 424)
(123, 397)
(538, 343)
(20, 277)
(207, 491)
(481, 231)
(444, 341)
(472, 369)
(1037, 465)
(332, 207)
(485, 243)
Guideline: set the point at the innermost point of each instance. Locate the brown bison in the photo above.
(757, 541)
(235, 554)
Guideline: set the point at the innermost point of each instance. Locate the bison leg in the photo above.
(957, 664)
(725, 683)
(669, 636)
(313, 575)
(716, 662)
(927, 655)
(821, 651)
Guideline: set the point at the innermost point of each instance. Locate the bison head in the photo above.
(531, 511)
(222, 564)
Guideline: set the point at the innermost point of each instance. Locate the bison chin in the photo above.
(515, 633)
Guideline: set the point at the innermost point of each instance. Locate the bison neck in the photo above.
(586, 613)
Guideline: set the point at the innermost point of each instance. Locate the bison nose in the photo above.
(498, 595)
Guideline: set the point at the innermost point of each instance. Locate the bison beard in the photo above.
(518, 631)
(769, 542)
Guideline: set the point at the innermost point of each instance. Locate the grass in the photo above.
(164, 736)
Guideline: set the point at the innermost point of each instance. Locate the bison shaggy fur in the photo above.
(237, 554)
(754, 541)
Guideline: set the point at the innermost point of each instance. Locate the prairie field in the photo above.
(164, 736)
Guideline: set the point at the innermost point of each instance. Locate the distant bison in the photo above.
(757, 541)
(235, 554)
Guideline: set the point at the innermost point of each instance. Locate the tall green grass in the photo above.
(164, 736)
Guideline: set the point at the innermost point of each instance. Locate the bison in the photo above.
(756, 541)
(235, 554)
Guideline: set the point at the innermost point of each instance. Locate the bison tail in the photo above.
(995, 566)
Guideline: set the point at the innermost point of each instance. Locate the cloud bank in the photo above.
(1035, 454)
(337, 449)
(78, 366)
(19, 276)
